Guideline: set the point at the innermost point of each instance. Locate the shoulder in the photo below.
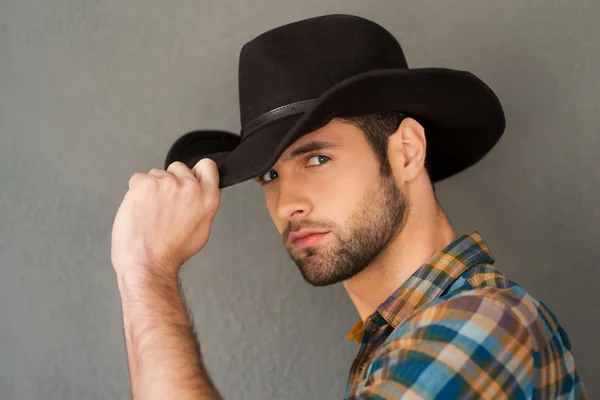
(484, 290)
(487, 317)
(471, 344)
(480, 276)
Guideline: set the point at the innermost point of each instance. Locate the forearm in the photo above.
(164, 356)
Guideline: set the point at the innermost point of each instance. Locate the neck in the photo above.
(423, 235)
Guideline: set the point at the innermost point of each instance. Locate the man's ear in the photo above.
(407, 148)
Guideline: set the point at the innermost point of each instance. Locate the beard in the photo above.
(377, 220)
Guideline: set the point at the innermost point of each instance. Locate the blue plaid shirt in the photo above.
(457, 328)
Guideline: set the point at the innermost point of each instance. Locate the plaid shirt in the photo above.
(457, 328)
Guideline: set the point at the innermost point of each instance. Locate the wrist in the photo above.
(144, 278)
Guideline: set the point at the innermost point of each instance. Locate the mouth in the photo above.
(304, 239)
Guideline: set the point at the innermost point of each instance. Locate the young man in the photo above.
(347, 142)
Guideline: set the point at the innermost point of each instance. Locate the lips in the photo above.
(306, 238)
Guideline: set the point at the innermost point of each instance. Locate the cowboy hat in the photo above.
(296, 78)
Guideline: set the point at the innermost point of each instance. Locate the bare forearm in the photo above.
(163, 353)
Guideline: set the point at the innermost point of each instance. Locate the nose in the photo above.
(292, 201)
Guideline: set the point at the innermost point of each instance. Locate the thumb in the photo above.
(208, 175)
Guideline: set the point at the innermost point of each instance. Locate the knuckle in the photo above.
(171, 182)
(137, 178)
(175, 164)
(136, 175)
(148, 182)
(208, 162)
(191, 185)
(211, 166)
(211, 204)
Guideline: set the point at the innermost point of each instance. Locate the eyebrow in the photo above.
(309, 147)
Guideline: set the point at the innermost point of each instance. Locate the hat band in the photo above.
(275, 115)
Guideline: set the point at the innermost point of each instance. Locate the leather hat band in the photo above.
(275, 115)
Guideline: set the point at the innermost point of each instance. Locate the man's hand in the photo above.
(164, 219)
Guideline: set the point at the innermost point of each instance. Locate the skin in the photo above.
(379, 231)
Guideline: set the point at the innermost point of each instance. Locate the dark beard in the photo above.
(378, 219)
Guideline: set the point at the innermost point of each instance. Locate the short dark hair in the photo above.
(377, 129)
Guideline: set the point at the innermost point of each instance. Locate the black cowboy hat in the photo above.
(296, 78)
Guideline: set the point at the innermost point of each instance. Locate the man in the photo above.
(347, 142)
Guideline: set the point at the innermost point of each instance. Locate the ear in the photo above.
(406, 151)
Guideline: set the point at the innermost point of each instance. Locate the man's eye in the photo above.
(269, 176)
(317, 160)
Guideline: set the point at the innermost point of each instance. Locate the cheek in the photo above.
(338, 199)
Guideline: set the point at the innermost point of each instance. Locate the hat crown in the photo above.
(301, 60)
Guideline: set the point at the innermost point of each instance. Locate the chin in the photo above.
(320, 281)
(317, 271)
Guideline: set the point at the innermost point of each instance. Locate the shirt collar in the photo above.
(430, 280)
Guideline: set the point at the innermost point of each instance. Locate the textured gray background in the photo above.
(91, 91)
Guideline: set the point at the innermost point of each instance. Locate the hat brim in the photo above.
(196, 145)
(462, 116)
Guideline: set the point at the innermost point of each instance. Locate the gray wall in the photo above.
(91, 91)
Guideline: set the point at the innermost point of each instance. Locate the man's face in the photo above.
(329, 201)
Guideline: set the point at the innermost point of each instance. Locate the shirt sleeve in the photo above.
(467, 347)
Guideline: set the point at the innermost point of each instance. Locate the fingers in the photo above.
(180, 170)
(207, 173)
(139, 177)
(154, 172)
(159, 173)
(136, 178)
